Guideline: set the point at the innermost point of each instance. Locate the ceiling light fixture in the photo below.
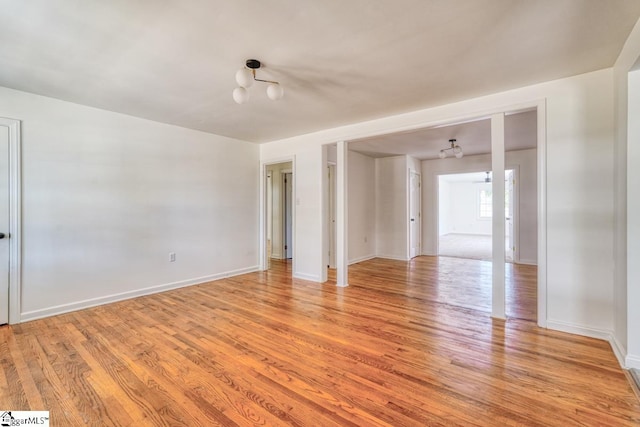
(245, 78)
(455, 149)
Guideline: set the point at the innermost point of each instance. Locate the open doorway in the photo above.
(279, 192)
(465, 215)
(519, 136)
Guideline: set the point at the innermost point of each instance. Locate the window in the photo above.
(485, 204)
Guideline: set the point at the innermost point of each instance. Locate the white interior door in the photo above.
(331, 170)
(4, 224)
(269, 219)
(509, 211)
(414, 215)
(288, 217)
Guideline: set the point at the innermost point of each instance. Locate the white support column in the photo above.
(632, 359)
(324, 202)
(497, 185)
(342, 252)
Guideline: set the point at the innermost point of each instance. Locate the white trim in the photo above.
(626, 361)
(413, 122)
(541, 147)
(309, 277)
(325, 215)
(330, 191)
(15, 219)
(283, 208)
(542, 212)
(407, 207)
(361, 259)
(618, 350)
(417, 220)
(92, 302)
(575, 329)
(526, 262)
(498, 291)
(263, 262)
(515, 218)
(394, 257)
(342, 215)
(632, 361)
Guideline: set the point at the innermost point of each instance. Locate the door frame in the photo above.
(287, 224)
(418, 220)
(263, 261)
(540, 105)
(515, 218)
(15, 219)
(331, 213)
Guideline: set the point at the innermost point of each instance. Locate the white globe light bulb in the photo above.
(275, 92)
(244, 77)
(442, 154)
(459, 154)
(240, 95)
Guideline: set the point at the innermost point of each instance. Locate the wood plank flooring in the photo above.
(458, 281)
(262, 349)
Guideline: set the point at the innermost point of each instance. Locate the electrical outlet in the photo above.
(172, 256)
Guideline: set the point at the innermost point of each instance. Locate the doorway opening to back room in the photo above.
(465, 215)
(504, 284)
(331, 232)
(279, 208)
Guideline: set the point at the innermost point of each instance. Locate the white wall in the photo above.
(579, 205)
(464, 220)
(107, 196)
(580, 214)
(444, 209)
(391, 207)
(524, 161)
(633, 221)
(362, 207)
(626, 328)
(461, 211)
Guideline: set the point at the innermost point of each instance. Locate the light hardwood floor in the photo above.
(262, 349)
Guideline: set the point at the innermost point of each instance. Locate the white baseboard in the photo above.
(527, 262)
(586, 331)
(602, 334)
(618, 350)
(360, 259)
(93, 302)
(394, 257)
(309, 277)
(632, 361)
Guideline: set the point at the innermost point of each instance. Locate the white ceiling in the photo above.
(520, 133)
(339, 61)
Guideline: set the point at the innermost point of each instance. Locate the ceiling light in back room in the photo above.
(455, 149)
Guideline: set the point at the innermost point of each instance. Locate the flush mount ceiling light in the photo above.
(245, 78)
(455, 149)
